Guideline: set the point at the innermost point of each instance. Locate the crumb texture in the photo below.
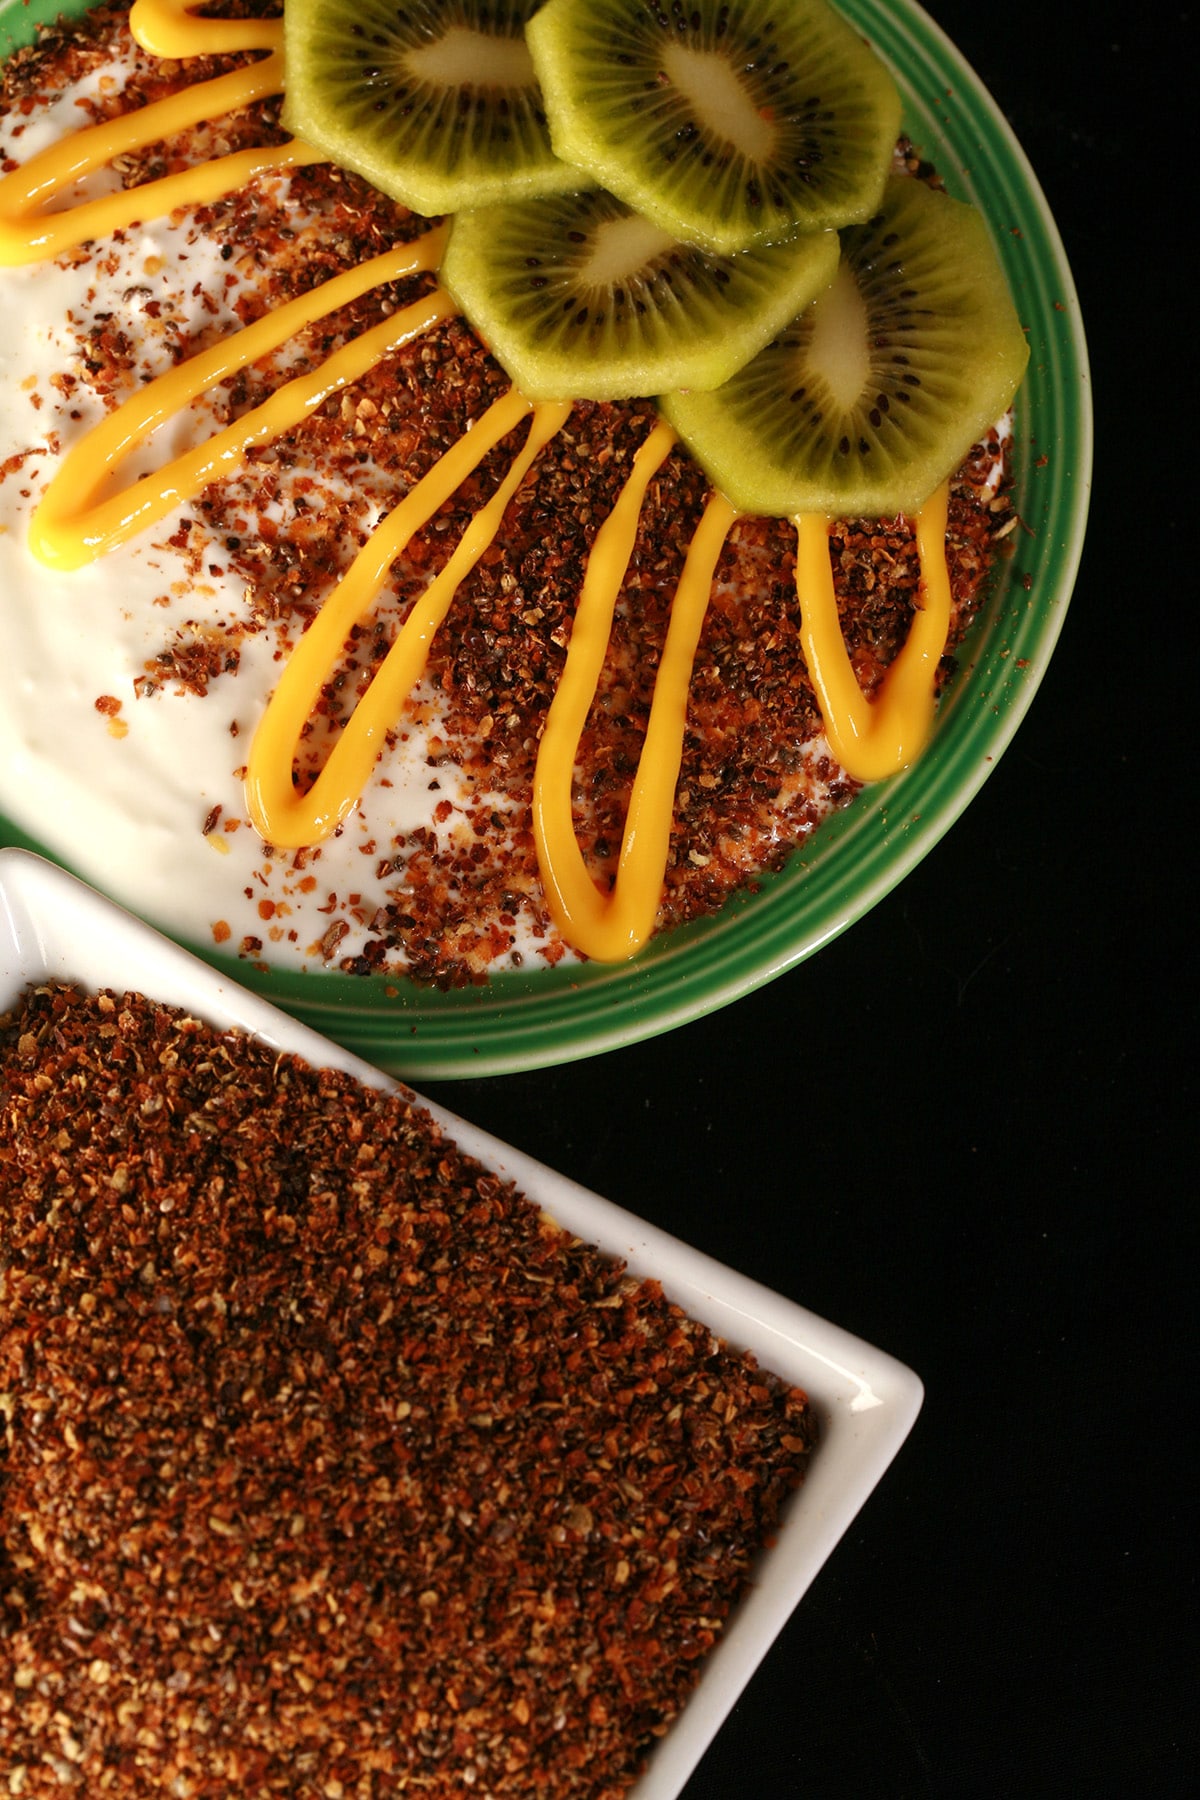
(328, 1466)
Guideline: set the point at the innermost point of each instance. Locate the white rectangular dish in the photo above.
(53, 926)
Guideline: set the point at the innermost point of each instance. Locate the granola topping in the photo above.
(329, 1465)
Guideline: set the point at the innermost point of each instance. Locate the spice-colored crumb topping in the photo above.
(331, 1466)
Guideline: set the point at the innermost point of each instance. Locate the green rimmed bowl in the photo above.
(526, 1020)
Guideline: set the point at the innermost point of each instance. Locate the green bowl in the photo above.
(527, 1020)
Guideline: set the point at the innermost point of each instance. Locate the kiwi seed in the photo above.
(727, 122)
(580, 298)
(876, 392)
(435, 102)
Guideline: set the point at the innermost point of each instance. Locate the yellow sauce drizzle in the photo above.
(30, 231)
(75, 522)
(279, 813)
(168, 28)
(611, 926)
(874, 738)
(72, 526)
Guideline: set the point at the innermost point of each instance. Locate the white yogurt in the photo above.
(124, 795)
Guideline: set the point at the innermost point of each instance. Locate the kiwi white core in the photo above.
(621, 248)
(838, 345)
(465, 58)
(717, 98)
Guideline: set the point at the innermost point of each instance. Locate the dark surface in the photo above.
(960, 1130)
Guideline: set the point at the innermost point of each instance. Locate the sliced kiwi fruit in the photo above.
(727, 122)
(580, 298)
(434, 102)
(876, 392)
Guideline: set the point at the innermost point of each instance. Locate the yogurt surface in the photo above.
(135, 780)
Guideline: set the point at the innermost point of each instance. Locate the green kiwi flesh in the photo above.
(579, 298)
(436, 102)
(878, 390)
(728, 122)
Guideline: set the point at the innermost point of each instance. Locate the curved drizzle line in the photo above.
(281, 815)
(29, 231)
(872, 738)
(169, 28)
(72, 526)
(611, 926)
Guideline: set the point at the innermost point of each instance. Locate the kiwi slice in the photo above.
(728, 122)
(434, 102)
(580, 298)
(876, 392)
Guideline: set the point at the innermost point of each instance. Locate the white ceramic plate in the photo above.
(51, 925)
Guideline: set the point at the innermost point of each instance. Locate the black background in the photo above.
(965, 1129)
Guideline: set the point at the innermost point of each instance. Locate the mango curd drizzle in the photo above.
(77, 521)
(280, 814)
(170, 28)
(872, 738)
(612, 926)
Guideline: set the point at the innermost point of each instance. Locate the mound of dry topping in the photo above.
(330, 1466)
